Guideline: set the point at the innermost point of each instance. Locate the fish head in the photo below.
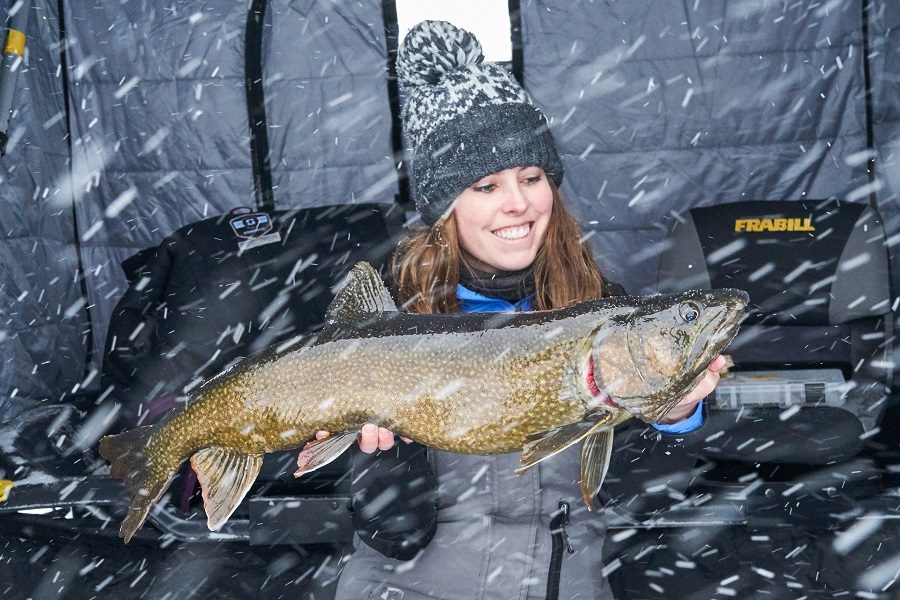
(646, 361)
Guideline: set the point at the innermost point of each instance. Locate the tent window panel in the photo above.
(488, 20)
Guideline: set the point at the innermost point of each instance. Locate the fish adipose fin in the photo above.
(595, 455)
(225, 477)
(145, 480)
(544, 444)
(319, 453)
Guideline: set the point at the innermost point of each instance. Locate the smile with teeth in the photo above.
(516, 232)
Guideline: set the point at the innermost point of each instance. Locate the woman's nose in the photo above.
(515, 200)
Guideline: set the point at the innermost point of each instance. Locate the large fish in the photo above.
(479, 383)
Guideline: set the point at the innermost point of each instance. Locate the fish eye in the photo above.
(689, 311)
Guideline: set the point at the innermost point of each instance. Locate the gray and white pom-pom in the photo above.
(432, 49)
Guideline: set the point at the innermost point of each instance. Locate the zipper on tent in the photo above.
(867, 78)
(256, 107)
(392, 41)
(560, 540)
(79, 273)
(515, 34)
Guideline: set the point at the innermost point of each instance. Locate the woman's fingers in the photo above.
(320, 435)
(707, 384)
(385, 439)
(368, 438)
(372, 438)
(688, 404)
(703, 389)
(718, 363)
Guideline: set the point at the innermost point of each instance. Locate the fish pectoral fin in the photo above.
(544, 444)
(595, 456)
(319, 453)
(225, 477)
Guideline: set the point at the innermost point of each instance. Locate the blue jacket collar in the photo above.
(470, 301)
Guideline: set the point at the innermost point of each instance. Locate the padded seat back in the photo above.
(229, 286)
(817, 274)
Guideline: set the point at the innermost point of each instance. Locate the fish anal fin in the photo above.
(363, 294)
(595, 457)
(549, 442)
(225, 477)
(319, 453)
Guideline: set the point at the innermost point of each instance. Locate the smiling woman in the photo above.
(496, 237)
(501, 229)
(503, 217)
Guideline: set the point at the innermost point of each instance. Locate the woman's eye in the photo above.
(532, 180)
(486, 188)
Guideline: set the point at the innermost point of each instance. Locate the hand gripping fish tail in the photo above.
(475, 383)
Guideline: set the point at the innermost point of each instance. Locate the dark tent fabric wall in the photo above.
(657, 106)
(155, 102)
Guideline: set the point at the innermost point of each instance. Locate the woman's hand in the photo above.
(371, 438)
(688, 404)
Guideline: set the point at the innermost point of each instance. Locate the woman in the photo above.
(497, 238)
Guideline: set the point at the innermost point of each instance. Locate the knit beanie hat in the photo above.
(463, 119)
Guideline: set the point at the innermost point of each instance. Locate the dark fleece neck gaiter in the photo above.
(510, 286)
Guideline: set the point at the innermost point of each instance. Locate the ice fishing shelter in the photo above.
(132, 119)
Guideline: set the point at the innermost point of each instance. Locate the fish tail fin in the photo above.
(145, 478)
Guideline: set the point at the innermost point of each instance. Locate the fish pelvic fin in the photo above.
(225, 477)
(595, 457)
(145, 479)
(318, 453)
(543, 444)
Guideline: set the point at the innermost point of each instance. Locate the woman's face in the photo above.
(502, 218)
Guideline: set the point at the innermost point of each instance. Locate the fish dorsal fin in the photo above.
(225, 477)
(595, 455)
(362, 295)
(549, 442)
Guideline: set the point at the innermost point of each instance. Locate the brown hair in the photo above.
(426, 264)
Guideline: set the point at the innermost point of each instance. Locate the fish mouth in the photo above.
(595, 391)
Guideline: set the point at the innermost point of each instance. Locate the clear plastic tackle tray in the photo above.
(802, 387)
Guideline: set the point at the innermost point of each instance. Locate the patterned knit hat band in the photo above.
(487, 140)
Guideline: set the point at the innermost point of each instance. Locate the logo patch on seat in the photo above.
(253, 228)
(251, 225)
(777, 224)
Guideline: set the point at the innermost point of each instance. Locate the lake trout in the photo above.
(477, 383)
